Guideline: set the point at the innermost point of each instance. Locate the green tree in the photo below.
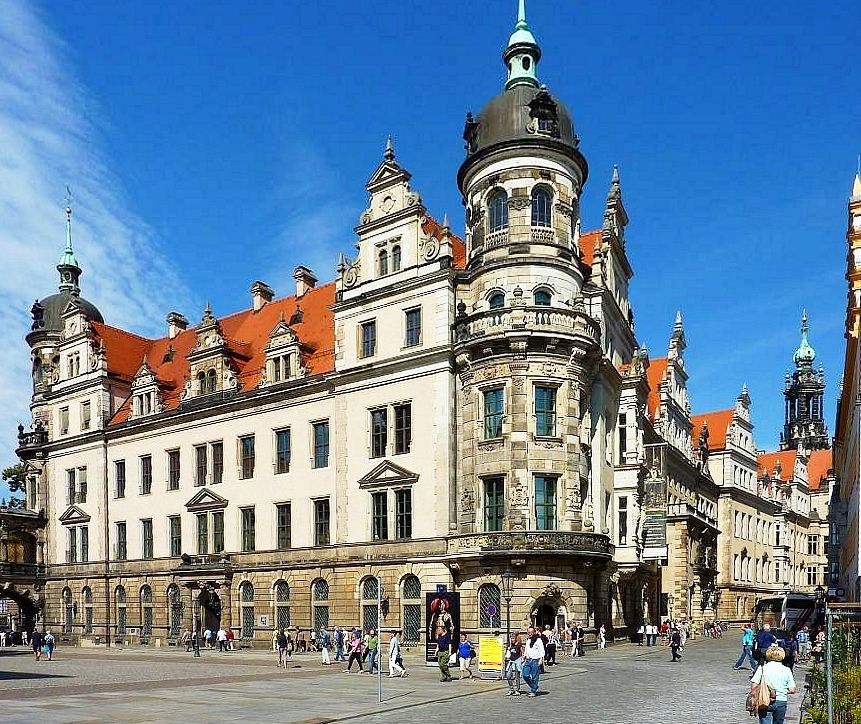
(14, 477)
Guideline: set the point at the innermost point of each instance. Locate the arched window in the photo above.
(146, 612)
(541, 298)
(489, 615)
(369, 603)
(201, 382)
(210, 380)
(542, 203)
(411, 609)
(68, 611)
(396, 258)
(246, 598)
(496, 300)
(282, 604)
(383, 263)
(497, 211)
(174, 603)
(320, 598)
(87, 595)
(122, 618)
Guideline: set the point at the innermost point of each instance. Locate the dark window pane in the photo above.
(218, 532)
(497, 211)
(200, 465)
(321, 522)
(493, 413)
(380, 514)
(379, 431)
(369, 339)
(284, 525)
(173, 470)
(246, 450)
(120, 475)
(414, 327)
(545, 411)
(403, 513)
(545, 503)
(494, 504)
(403, 428)
(321, 444)
(282, 453)
(217, 462)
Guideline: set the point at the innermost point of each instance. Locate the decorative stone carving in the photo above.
(520, 496)
(467, 500)
(430, 249)
(519, 384)
(519, 203)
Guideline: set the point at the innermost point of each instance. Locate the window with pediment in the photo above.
(283, 355)
(211, 361)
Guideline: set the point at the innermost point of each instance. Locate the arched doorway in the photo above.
(209, 610)
(549, 612)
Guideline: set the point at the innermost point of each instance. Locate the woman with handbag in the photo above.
(770, 686)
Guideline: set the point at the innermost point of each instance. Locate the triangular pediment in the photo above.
(74, 515)
(388, 473)
(205, 500)
(388, 172)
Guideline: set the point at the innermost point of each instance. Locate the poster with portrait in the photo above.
(441, 609)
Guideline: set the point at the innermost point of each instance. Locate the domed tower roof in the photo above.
(805, 354)
(48, 312)
(525, 114)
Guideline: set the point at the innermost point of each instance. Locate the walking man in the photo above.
(36, 644)
(339, 644)
(325, 643)
(676, 644)
(746, 649)
(221, 637)
(396, 663)
(373, 644)
(533, 659)
(281, 643)
(443, 652)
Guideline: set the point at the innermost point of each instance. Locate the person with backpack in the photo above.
(49, 645)
(764, 639)
(325, 643)
(339, 644)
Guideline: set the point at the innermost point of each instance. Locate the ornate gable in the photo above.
(210, 369)
(283, 356)
(386, 474)
(146, 396)
(205, 500)
(73, 516)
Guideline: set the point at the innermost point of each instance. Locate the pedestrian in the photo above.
(185, 639)
(396, 663)
(275, 633)
(373, 644)
(325, 643)
(746, 649)
(281, 644)
(230, 644)
(49, 645)
(651, 635)
(443, 652)
(533, 656)
(464, 656)
(676, 644)
(764, 639)
(313, 640)
(602, 638)
(356, 648)
(36, 644)
(791, 649)
(641, 635)
(207, 638)
(25, 637)
(222, 639)
(683, 633)
(300, 641)
(575, 639)
(803, 639)
(550, 646)
(779, 678)
(514, 664)
(339, 644)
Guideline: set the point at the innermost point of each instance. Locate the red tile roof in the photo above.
(767, 462)
(655, 375)
(432, 227)
(820, 464)
(586, 242)
(718, 423)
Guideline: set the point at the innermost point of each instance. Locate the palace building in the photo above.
(445, 411)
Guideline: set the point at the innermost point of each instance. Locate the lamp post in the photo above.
(507, 579)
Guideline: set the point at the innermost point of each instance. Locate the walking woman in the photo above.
(778, 678)
(396, 667)
(355, 654)
(514, 664)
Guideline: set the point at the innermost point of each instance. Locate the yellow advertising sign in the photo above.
(491, 655)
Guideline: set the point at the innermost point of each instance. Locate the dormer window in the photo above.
(497, 211)
(542, 203)
(211, 381)
(396, 258)
(383, 263)
(496, 300)
(280, 368)
(283, 356)
(201, 383)
(541, 298)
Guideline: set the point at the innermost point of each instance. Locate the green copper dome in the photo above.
(805, 354)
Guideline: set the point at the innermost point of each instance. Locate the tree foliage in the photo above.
(14, 477)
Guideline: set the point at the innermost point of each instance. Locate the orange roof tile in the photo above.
(586, 242)
(655, 375)
(820, 464)
(432, 227)
(767, 462)
(718, 423)
(246, 332)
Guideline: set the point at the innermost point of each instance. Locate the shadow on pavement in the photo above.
(11, 675)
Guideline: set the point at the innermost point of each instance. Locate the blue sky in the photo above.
(212, 144)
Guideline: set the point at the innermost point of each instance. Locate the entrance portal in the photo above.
(209, 610)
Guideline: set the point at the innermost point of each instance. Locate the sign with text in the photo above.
(441, 610)
(491, 657)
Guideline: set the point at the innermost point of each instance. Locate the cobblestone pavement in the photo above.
(622, 685)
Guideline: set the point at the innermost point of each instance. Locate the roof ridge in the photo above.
(125, 331)
(712, 412)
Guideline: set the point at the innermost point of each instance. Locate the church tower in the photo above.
(803, 390)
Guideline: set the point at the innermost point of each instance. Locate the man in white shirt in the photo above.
(221, 636)
(533, 658)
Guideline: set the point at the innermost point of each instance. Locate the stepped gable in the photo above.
(821, 463)
(246, 333)
(718, 423)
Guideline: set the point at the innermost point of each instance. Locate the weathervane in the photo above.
(68, 201)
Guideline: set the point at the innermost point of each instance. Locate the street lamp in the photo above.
(507, 579)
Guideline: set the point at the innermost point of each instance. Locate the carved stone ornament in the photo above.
(489, 446)
(367, 216)
(519, 203)
(467, 500)
(492, 372)
(351, 276)
(549, 369)
(520, 497)
(519, 383)
(549, 444)
(431, 249)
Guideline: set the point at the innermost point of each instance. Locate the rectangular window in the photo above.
(403, 428)
(248, 536)
(173, 470)
(174, 526)
(218, 531)
(120, 478)
(282, 451)
(121, 552)
(85, 543)
(404, 513)
(217, 462)
(146, 474)
(82, 486)
(321, 522)
(71, 476)
(623, 520)
(64, 420)
(369, 338)
(545, 411)
(202, 534)
(85, 415)
(494, 504)
(72, 553)
(201, 465)
(146, 538)
(246, 457)
(545, 503)
(813, 545)
(413, 327)
(622, 435)
(283, 523)
(379, 432)
(379, 516)
(321, 444)
(493, 412)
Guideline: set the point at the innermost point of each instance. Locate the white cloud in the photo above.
(49, 138)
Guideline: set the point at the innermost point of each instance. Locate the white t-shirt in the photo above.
(536, 650)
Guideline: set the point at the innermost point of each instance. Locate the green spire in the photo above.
(68, 267)
(805, 354)
(522, 54)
